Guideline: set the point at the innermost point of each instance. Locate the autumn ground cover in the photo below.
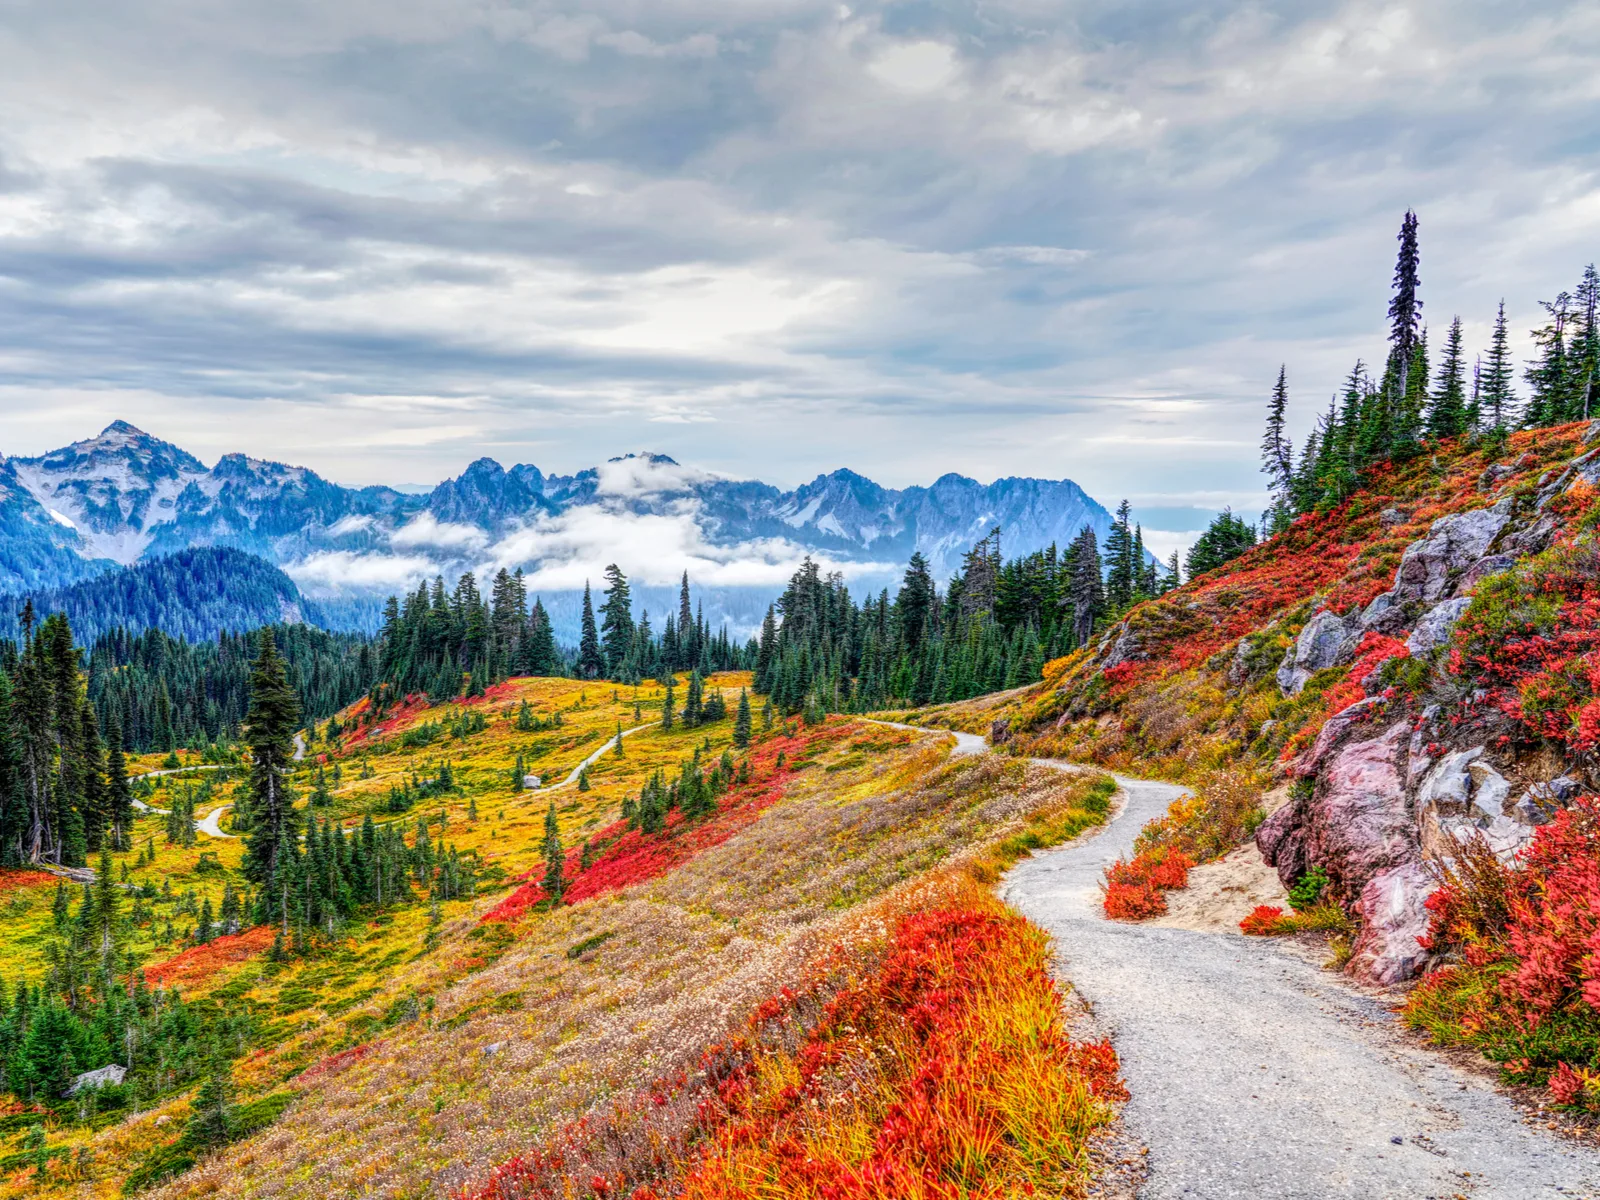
(381, 1036)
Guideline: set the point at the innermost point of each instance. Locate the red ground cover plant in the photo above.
(1375, 650)
(1531, 640)
(631, 857)
(12, 879)
(1262, 921)
(199, 962)
(1133, 889)
(1525, 989)
(336, 1062)
(939, 1068)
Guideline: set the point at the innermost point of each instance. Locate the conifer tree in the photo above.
(119, 795)
(270, 724)
(667, 714)
(1497, 400)
(741, 722)
(591, 662)
(212, 1115)
(1447, 406)
(554, 883)
(1277, 451)
(617, 626)
(1085, 591)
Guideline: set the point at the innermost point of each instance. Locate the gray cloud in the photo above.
(1023, 237)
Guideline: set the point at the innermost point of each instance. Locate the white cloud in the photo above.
(354, 523)
(916, 66)
(564, 552)
(635, 476)
(335, 572)
(427, 530)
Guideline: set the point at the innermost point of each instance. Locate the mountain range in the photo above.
(125, 497)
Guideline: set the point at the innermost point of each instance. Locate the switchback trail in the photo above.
(1256, 1074)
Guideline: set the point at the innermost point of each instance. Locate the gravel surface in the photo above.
(1257, 1075)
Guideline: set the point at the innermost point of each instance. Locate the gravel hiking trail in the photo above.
(1258, 1075)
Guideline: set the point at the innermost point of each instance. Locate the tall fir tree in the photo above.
(1447, 406)
(617, 628)
(591, 661)
(1497, 399)
(269, 729)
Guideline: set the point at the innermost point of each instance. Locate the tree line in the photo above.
(1414, 403)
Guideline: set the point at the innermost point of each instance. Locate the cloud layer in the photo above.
(1017, 237)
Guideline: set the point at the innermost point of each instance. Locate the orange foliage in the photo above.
(1263, 921)
(199, 962)
(1133, 890)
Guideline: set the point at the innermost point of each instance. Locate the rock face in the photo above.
(108, 1076)
(1436, 626)
(1394, 917)
(1326, 641)
(1430, 567)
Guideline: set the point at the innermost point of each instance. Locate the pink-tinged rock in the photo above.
(1394, 917)
(1332, 731)
(1359, 823)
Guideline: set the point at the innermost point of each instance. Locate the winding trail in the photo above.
(210, 824)
(610, 744)
(1257, 1075)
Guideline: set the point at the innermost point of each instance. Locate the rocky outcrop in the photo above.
(1326, 641)
(1000, 731)
(108, 1076)
(1436, 626)
(1394, 919)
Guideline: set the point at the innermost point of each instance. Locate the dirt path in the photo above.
(1257, 1074)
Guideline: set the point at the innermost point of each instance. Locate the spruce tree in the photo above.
(617, 627)
(269, 730)
(1277, 451)
(211, 1115)
(1447, 406)
(554, 884)
(1497, 400)
(119, 795)
(1086, 592)
(591, 662)
(741, 722)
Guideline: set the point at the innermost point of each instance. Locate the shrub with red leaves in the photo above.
(1133, 890)
(1526, 991)
(1262, 921)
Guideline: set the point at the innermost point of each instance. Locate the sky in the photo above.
(381, 238)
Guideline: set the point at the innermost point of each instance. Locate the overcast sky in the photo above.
(384, 237)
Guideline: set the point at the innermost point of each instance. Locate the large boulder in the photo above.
(1326, 641)
(107, 1076)
(1430, 566)
(1394, 919)
(1355, 825)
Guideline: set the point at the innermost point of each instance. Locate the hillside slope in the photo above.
(464, 1034)
(1422, 667)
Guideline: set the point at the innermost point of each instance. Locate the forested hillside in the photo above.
(193, 595)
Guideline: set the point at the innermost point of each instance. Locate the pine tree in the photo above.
(119, 795)
(1119, 560)
(1277, 451)
(1225, 539)
(617, 627)
(591, 662)
(620, 753)
(1498, 402)
(1086, 592)
(741, 722)
(667, 714)
(1405, 309)
(269, 728)
(1447, 406)
(554, 883)
(211, 1114)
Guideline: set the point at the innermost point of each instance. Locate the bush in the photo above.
(1133, 889)
(1308, 889)
(1263, 921)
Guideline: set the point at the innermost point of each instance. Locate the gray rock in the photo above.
(1384, 615)
(1390, 517)
(493, 1048)
(531, 782)
(1492, 475)
(1447, 787)
(1436, 626)
(1431, 564)
(1542, 801)
(108, 1076)
(1492, 564)
(1125, 649)
(1592, 433)
(1490, 791)
(1326, 641)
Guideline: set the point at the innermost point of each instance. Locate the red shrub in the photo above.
(1263, 922)
(1133, 901)
(199, 962)
(1133, 889)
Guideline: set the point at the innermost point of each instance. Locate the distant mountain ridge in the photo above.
(124, 497)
